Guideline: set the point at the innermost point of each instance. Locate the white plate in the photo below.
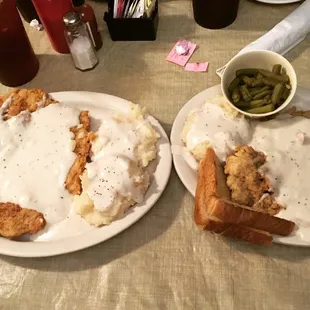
(76, 233)
(188, 176)
(279, 1)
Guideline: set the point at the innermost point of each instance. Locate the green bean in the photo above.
(248, 72)
(247, 80)
(235, 95)
(245, 93)
(233, 84)
(268, 74)
(261, 110)
(262, 94)
(277, 69)
(286, 93)
(242, 105)
(277, 93)
(257, 82)
(268, 98)
(254, 91)
(258, 103)
(255, 88)
(270, 82)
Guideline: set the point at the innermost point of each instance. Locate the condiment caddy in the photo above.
(132, 29)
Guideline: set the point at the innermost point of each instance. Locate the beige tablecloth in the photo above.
(163, 261)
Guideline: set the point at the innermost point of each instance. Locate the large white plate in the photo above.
(76, 234)
(278, 1)
(188, 176)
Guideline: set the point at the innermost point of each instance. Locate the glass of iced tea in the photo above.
(18, 62)
(215, 14)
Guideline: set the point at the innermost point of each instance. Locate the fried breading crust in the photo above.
(25, 99)
(83, 137)
(16, 221)
(248, 186)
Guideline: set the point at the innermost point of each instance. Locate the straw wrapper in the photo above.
(284, 36)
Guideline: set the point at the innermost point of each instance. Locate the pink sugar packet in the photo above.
(178, 59)
(197, 67)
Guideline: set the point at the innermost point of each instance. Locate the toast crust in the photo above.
(244, 233)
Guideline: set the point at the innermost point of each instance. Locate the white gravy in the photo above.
(288, 163)
(35, 157)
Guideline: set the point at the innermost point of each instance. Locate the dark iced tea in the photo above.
(18, 63)
(215, 14)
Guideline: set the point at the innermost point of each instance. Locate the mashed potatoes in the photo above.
(215, 125)
(116, 178)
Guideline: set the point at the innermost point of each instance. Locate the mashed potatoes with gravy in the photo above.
(215, 125)
(117, 178)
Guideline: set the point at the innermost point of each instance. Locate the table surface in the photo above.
(163, 261)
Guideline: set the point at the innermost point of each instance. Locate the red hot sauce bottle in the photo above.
(89, 18)
(18, 62)
(51, 13)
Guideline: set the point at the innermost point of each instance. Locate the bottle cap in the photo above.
(71, 18)
(78, 2)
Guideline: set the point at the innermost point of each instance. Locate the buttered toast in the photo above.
(215, 212)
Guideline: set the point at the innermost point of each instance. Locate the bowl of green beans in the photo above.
(259, 83)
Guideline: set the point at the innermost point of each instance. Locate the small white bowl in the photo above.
(260, 59)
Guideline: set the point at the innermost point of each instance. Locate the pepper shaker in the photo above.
(80, 44)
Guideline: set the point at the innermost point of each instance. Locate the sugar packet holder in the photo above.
(131, 29)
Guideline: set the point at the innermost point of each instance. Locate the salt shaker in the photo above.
(79, 42)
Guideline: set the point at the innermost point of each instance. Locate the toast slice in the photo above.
(213, 224)
(213, 202)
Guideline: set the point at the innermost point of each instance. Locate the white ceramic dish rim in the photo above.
(279, 109)
(278, 1)
(98, 235)
(187, 175)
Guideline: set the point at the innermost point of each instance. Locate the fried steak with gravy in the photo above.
(25, 99)
(15, 220)
(248, 185)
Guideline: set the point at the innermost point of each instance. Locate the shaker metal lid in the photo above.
(71, 18)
